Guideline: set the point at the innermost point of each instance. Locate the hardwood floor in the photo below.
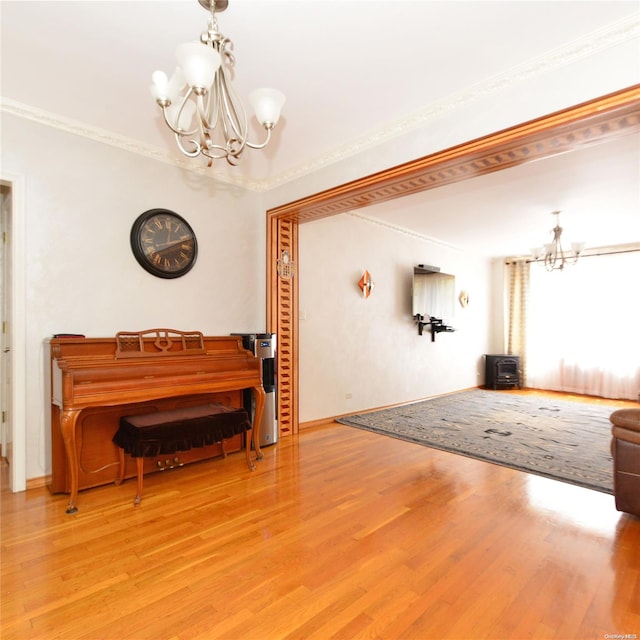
(339, 533)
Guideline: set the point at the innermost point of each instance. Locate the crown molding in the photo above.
(404, 231)
(90, 132)
(612, 35)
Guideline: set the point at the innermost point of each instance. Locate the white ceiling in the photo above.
(508, 213)
(349, 68)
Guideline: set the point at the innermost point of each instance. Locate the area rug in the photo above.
(556, 438)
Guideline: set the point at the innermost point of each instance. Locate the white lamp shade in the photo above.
(159, 85)
(578, 247)
(186, 117)
(267, 104)
(199, 63)
(176, 84)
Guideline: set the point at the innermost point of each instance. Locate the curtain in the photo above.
(583, 327)
(518, 291)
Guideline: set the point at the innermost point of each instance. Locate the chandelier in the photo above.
(198, 102)
(552, 254)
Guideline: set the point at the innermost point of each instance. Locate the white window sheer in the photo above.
(583, 329)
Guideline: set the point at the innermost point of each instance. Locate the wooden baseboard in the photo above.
(525, 391)
(38, 483)
(314, 423)
(32, 483)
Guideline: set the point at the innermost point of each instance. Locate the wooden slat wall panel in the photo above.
(283, 321)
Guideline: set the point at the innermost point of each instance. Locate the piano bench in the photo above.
(148, 435)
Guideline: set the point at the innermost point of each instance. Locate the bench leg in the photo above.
(140, 474)
(120, 477)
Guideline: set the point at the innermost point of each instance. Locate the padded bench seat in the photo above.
(166, 432)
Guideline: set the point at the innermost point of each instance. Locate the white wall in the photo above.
(370, 348)
(81, 199)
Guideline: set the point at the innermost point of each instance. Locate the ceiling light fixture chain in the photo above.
(552, 254)
(200, 89)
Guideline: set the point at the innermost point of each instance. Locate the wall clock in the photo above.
(164, 243)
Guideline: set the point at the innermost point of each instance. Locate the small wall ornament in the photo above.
(366, 284)
(285, 266)
(464, 299)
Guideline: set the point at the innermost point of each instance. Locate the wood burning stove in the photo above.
(502, 371)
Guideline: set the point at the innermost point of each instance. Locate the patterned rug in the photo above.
(556, 438)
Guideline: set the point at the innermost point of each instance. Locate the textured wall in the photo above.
(370, 348)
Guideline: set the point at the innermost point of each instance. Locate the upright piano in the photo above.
(96, 381)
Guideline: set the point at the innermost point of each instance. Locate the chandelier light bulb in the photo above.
(177, 84)
(199, 64)
(182, 115)
(267, 104)
(578, 247)
(159, 85)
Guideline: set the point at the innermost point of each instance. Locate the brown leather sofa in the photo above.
(625, 446)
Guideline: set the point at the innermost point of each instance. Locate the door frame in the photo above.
(17, 401)
(593, 122)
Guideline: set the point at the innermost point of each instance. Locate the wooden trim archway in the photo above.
(593, 122)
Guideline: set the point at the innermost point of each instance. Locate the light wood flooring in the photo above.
(339, 533)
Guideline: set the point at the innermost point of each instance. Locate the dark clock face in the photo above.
(163, 243)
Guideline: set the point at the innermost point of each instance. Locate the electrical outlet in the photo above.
(348, 396)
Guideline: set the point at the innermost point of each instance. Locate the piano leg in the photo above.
(68, 427)
(247, 449)
(259, 398)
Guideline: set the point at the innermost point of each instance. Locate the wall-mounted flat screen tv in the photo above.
(434, 293)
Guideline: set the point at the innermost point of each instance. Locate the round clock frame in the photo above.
(163, 243)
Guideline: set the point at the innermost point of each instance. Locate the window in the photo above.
(583, 331)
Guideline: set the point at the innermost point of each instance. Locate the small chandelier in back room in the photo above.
(552, 253)
(198, 101)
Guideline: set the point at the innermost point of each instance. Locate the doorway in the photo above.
(13, 334)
